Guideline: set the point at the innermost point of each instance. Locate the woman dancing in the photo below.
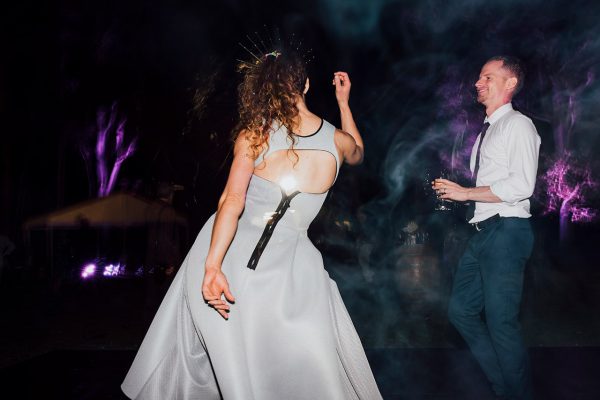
(252, 314)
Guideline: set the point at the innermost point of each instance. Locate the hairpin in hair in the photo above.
(259, 48)
(274, 53)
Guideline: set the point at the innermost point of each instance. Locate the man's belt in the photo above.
(486, 223)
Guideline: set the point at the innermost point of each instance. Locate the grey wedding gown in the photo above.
(288, 336)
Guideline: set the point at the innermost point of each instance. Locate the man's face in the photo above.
(493, 86)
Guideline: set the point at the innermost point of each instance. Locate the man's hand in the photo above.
(449, 190)
(214, 286)
(342, 84)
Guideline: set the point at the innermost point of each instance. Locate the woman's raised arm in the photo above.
(348, 139)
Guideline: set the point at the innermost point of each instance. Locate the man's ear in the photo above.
(511, 84)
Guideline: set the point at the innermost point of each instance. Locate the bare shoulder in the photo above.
(241, 146)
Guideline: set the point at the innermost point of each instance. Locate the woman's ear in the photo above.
(306, 86)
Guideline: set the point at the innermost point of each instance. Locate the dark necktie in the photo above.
(471, 206)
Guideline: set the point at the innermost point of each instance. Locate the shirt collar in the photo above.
(499, 113)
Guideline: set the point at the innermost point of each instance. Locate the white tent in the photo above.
(120, 210)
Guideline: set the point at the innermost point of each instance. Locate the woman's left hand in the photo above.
(342, 84)
(214, 286)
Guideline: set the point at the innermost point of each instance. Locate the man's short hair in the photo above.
(515, 67)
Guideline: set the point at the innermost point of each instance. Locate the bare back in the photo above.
(310, 164)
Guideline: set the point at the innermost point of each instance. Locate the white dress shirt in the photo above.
(508, 163)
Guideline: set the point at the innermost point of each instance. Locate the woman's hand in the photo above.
(214, 286)
(342, 84)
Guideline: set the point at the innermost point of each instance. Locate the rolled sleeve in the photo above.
(523, 145)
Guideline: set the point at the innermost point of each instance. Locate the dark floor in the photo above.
(419, 374)
(75, 339)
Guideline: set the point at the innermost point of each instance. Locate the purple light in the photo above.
(568, 183)
(123, 151)
(462, 126)
(112, 270)
(583, 214)
(103, 128)
(122, 155)
(88, 271)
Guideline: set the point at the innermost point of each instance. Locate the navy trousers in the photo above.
(489, 279)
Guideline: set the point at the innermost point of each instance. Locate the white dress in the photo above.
(288, 336)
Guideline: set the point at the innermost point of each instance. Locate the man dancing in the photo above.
(489, 276)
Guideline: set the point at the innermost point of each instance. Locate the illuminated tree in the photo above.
(568, 183)
(107, 126)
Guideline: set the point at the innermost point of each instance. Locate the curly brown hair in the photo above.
(268, 95)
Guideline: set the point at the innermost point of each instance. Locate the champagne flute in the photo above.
(443, 204)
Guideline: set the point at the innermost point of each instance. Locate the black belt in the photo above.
(486, 223)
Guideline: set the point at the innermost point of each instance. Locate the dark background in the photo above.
(168, 70)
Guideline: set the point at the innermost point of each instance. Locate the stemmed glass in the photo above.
(441, 204)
